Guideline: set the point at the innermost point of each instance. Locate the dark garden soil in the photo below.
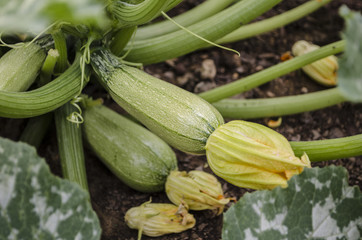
(111, 198)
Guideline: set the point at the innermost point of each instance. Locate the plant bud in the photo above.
(324, 71)
(156, 219)
(198, 190)
(253, 156)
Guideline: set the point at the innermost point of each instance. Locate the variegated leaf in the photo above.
(318, 204)
(35, 15)
(34, 204)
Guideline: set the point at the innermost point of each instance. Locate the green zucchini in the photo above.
(135, 155)
(182, 119)
(19, 67)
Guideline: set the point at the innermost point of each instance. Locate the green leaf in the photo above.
(36, 15)
(318, 204)
(350, 71)
(34, 204)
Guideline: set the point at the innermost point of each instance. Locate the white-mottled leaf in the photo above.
(318, 204)
(350, 70)
(34, 204)
(35, 15)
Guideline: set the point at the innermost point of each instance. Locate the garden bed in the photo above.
(207, 69)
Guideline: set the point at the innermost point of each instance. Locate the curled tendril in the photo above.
(76, 116)
(4, 44)
(22, 44)
(198, 36)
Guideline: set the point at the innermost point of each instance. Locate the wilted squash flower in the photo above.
(253, 156)
(198, 190)
(156, 219)
(324, 71)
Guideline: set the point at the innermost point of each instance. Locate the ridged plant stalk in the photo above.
(278, 106)
(35, 129)
(136, 14)
(171, 4)
(69, 134)
(47, 69)
(61, 47)
(70, 145)
(121, 38)
(324, 150)
(180, 42)
(198, 13)
(44, 99)
(264, 76)
(272, 23)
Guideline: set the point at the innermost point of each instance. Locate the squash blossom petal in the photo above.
(323, 71)
(156, 219)
(253, 156)
(198, 190)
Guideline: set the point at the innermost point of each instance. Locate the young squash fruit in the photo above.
(135, 155)
(182, 119)
(19, 67)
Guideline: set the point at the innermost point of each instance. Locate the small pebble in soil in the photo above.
(184, 79)
(304, 90)
(204, 86)
(316, 134)
(208, 69)
(336, 133)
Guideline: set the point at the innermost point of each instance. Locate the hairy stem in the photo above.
(272, 23)
(279, 106)
(70, 145)
(259, 78)
(61, 47)
(324, 150)
(35, 129)
(180, 43)
(198, 13)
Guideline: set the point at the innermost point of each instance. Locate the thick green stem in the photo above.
(48, 67)
(136, 14)
(121, 38)
(180, 42)
(259, 78)
(279, 106)
(70, 147)
(35, 129)
(171, 4)
(198, 13)
(44, 99)
(324, 150)
(280, 20)
(61, 47)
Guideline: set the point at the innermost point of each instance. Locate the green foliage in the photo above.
(34, 204)
(350, 73)
(35, 16)
(318, 204)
